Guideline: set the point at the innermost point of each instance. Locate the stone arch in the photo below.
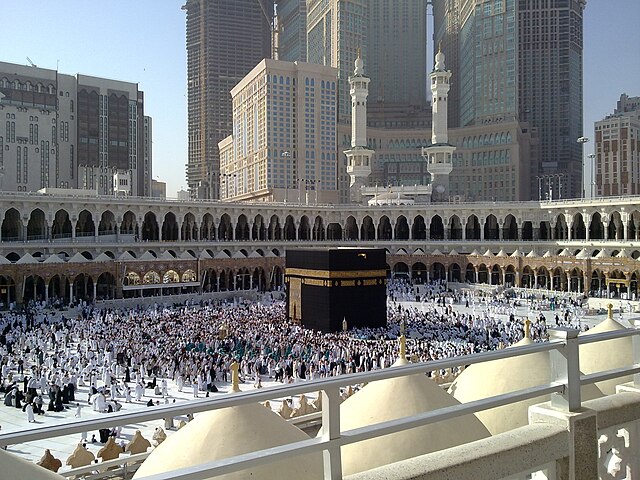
(351, 229)
(83, 287)
(318, 229)
(615, 228)
(384, 229)
(150, 230)
(543, 277)
(402, 228)
(367, 230)
(455, 228)
(225, 230)
(107, 224)
(578, 228)
(484, 274)
(527, 230)
(106, 286)
(258, 229)
(207, 227)
(259, 279)
(189, 229)
(472, 229)
(275, 231)
(12, 226)
(289, 228)
(242, 228)
(334, 231)
(454, 272)
(576, 280)
(61, 226)
(37, 225)
(596, 227)
(470, 273)
(304, 230)
(401, 270)
(561, 229)
(510, 228)
(491, 228)
(436, 228)
(85, 226)
(129, 225)
(170, 276)
(510, 276)
(597, 285)
(438, 271)
(419, 228)
(419, 272)
(7, 291)
(34, 288)
(170, 227)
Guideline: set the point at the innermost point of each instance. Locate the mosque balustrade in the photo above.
(32, 218)
(564, 438)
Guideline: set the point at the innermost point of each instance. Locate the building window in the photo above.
(19, 165)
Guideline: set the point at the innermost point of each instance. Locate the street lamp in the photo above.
(582, 141)
(286, 154)
(592, 157)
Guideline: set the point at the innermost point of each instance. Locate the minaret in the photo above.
(439, 154)
(358, 156)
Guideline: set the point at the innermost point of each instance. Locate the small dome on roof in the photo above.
(395, 398)
(19, 468)
(486, 379)
(232, 431)
(607, 355)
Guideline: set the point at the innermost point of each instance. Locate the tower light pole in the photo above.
(582, 141)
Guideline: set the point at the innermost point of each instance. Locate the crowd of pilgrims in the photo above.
(116, 354)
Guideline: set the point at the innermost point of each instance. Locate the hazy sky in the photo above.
(144, 41)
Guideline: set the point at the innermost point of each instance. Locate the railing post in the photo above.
(331, 457)
(565, 368)
(635, 341)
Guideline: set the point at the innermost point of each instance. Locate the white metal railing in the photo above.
(564, 387)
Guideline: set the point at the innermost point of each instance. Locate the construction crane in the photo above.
(274, 25)
(31, 63)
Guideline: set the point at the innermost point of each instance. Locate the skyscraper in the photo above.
(336, 32)
(396, 49)
(519, 60)
(391, 38)
(225, 40)
(292, 18)
(65, 131)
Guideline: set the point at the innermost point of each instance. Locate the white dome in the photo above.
(19, 468)
(607, 355)
(486, 379)
(396, 398)
(228, 432)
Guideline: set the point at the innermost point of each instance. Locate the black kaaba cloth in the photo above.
(325, 287)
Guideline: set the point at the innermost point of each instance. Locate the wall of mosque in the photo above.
(95, 248)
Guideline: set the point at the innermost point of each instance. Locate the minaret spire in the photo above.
(439, 154)
(358, 156)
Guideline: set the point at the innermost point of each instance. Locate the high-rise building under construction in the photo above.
(225, 40)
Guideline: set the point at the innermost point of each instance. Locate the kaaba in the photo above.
(328, 287)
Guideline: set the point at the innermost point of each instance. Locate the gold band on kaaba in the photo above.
(335, 274)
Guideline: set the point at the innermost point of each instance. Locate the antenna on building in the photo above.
(31, 63)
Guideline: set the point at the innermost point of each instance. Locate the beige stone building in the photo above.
(617, 161)
(283, 146)
(490, 162)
